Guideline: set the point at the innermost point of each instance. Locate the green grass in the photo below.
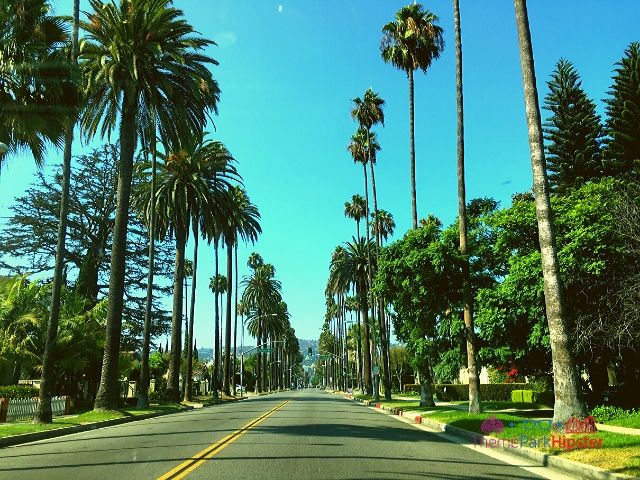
(92, 416)
(629, 422)
(619, 453)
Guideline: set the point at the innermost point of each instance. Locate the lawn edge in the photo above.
(60, 432)
(578, 469)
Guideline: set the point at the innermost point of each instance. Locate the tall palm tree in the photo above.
(141, 58)
(475, 406)
(352, 304)
(261, 296)
(356, 209)
(368, 111)
(243, 221)
(192, 185)
(412, 42)
(150, 221)
(44, 413)
(568, 397)
(39, 94)
(217, 285)
(350, 266)
(383, 224)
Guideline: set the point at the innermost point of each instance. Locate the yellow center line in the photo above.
(199, 458)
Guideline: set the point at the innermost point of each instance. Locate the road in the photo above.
(302, 435)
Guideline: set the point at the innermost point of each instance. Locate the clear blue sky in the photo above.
(288, 72)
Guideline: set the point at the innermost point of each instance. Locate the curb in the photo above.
(571, 467)
(60, 432)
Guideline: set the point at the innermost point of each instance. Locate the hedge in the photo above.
(411, 387)
(18, 391)
(495, 392)
(523, 396)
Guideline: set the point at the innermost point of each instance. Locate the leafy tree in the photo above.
(28, 240)
(419, 275)
(400, 362)
(573, 131)
(141, 60)
(410, 43)
(623, 116)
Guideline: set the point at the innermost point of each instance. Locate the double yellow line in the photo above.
(199, 458)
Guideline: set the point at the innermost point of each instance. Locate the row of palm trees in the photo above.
(411, 42)
(140, 70)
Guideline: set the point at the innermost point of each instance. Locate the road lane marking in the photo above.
(199, 458)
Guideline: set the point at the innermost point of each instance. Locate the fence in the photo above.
(25, 408)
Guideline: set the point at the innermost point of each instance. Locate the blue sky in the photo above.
(288, 72)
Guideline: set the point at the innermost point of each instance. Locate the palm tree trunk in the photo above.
(216, 356)
(366, 354)
(108, 391)
(383, 330)
(44, 413)
(412, 153)
(359, 352)
(227, 333)
(568, 396)
(474, 382)
(235, 322)
(188, 390)
(173, 389)
(258, 386)
(143, 391)
(369, 351)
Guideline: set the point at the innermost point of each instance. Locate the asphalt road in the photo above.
(300, 435)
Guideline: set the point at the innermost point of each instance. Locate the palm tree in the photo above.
(192, 185)
(467, 297)
(356, 209)
(350, 266)
(382, 224)
(39, 94)
(352, 304)
(568, 398)
(217, 285)
(261, 296)
(44, 413)
(141, 59)
(368, 112)
(242, 222)
(412, 42)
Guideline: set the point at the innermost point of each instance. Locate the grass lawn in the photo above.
(629, 422)
(92, 416)
(618, 452)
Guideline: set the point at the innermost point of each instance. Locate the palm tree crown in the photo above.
(413, 41)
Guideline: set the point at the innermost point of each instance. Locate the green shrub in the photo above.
(447, 392)
(500, 392)
(411, 388)
(605, 413)
(546, 398)
(523, 396)
(18, 391)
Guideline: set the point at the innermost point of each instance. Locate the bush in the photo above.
(18, 391)
(411, 388)
(546, 398)
(523, 396)
(500, 392)
(447, 392)
(605, 413)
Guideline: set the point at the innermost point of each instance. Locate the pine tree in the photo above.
(622, 151)
(573, 132)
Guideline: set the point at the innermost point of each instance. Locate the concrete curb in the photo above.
(580, 470)
(60, 432)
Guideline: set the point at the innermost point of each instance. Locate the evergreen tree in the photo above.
(622, 127)
(573, 131)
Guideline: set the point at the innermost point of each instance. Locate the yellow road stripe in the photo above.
(199, 458)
